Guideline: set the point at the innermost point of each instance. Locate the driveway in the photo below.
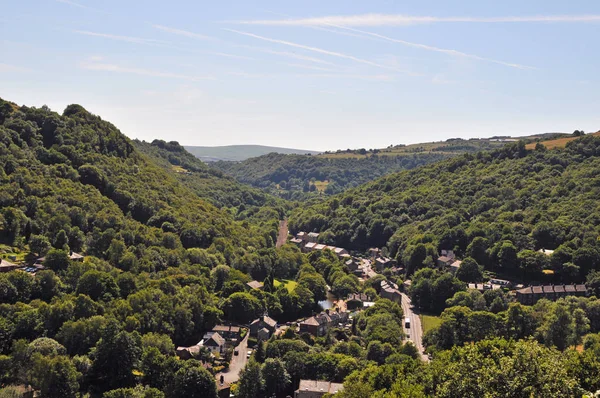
(238, 362)
(415, 331)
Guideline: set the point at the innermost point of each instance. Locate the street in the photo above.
(238, 362)
(415, 331)
(283, 233)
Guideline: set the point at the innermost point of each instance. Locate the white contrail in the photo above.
(182, 32)
(317, 50)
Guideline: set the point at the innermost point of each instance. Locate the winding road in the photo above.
(415, 331)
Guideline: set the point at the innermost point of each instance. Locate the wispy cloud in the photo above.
(181, 32)
(78, 5)
(107, 67)
(13, 68)
(399, 19)
(318, 50)
(128, 39)
(234, 56)
(311, 67)
(290, 55)
(450, 52)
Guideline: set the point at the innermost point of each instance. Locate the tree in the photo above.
(98, 285)
(275, 376)
(193, 381)
(137, 392)
(532, 263)
(251, 382)
(57, 377)
(57, 260)
(477, 250)
(242, 307)
(116, 355)
(39, 244)
(507, 256)
(469, 271)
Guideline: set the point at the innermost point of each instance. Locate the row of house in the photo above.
(308, 242)
(320, 324)
(531, 294)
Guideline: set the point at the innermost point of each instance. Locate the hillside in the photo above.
(492, 205)
(208, 183)
(240, 152)
(558, 142)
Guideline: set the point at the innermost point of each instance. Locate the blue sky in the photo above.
(308, 74)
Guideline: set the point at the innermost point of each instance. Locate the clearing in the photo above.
(429, 322)
(557, 143)
(289, 285)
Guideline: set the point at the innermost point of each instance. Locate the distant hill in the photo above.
(240, 152)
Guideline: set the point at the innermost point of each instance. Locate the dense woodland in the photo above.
(170, 244)
(294, 176)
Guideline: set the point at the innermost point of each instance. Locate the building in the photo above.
(356, 300)
(313, 237)
(455, 266)
(6, 266)
(264, 322)
(318, 325)
(444, 261)
(76, 256)
(215, 343)
(227, 332)
(340, 252)
(374, 252)
(188, 352)
(547, 252)
(255, 285)
(297, 241)
(303, 236)
(382, 263)
(310, 246)
(320, 247)
(448, 253)
(531, 294)
(389, 290)
(317, 388)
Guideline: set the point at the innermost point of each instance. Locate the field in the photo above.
(557, 143)
(321, 185)
(429, 322)
(289, 285)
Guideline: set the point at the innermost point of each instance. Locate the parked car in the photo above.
(248, 354)
(236, 352)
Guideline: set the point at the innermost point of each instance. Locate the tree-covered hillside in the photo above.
(208, 183)
(301, 176)
(496, 207)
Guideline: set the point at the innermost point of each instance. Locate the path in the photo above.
(415, 331)
(238, 362)
(283, 233)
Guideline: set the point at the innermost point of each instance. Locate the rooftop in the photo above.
(269, 321)
(320, 386)
(255, 284)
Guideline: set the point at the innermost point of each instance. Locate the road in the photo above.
(238, 362)
(415, 331)
(283, 233)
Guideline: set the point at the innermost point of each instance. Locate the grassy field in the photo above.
(321, 185)
(429, 322)
(557, 143)
(6, 251)
(289, 285)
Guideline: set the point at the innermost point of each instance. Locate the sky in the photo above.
(311, 74)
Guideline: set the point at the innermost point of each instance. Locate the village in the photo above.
(226, 348)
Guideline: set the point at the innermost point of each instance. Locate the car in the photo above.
(248, 354)
(236, 352)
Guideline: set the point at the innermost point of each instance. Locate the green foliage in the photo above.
(193, 381)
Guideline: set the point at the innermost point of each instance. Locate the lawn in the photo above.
(289, 285)
(429, 322)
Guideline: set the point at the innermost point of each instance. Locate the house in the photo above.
(448, 253)
(188, 352)
(501, 282)
(455, 266)
(6, 266)
(389, 290)
(263, 334)
(310, 326)
(255, 285)
(296, 241)
(215, 343)
(444, 261)
(264, 322)
(317, 388)
(356, 300)
(352, 265)
(382, 263)
(318, 325)
(75, 256)
(303, 236)
(340, 252)
(546, 252)
(319, 247)
(313, 237)
(374, 252)
(227, 332)
(531, 294)
(310, 246)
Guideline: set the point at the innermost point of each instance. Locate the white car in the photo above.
(248, 354)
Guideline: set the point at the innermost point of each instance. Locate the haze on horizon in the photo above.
(313, 75)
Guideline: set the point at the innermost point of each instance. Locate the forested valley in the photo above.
(119, 256)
